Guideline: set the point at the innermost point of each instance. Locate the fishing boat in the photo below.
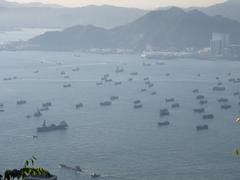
(53, 127)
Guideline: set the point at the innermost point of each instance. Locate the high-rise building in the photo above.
(219, 43)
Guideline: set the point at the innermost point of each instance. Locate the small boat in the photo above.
(35, 136)
(137, 102)
(130, 79)
(167, 74)
(94, 175)
(231, 80)
(66, 77)
(153, 93)
(37, 114)
(79, 105)
(236, 93)
(7, 79)
(223, 100)
(208, 116)
(175, 105)
(106, 103)
(226, 106)
(195, 91)
(53, 127)
(99, 83)
(219, 88)
(117, 83)
(143, 90)
(219, 83)
(1, 110)
(63, 73)
(164, 112)
(36, 71)
(138, 106)
(119, 69)
(146, 64)
(169, 100)
(200, 97)
(147, 82)
(202, 127)
(160, 63)
(202, 102)
(113, 98)
(134, 73)
(165, 123)
(75, 69)
(47, 104)
(200, 110)
(150, 85)
(67, 85)
(44, 109)
(28, 116)
(77, 168)
(1, 105)
(21, 102)
(146, 79)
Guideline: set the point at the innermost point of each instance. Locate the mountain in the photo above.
(172, 28)
(229, 9)
(13, 15)
(4, 4)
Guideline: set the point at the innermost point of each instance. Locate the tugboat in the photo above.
(202, 127)
(165, 123)
(53, 127)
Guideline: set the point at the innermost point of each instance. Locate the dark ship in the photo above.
(53, 127)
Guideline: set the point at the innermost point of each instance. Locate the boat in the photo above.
(146, 64)
(219, 88)
(79, 105)
(62, 73)
(201, 127)
(77, 168)
(200, 110)
(169, 100)
(37, 114)
(138, 106)
(134, 73)
(226, 106)
(1, 110)
(99, 83)
(137, 102)
(35, 136)
(130, 79)
(21, 102)
(200, 97)
(28, 116)
(119, 69)
(219, 83)
(143, 90)
(208, 116)
(66, 77)
(117, 83)
(202, 102)
(94, 175)
(195, 91)
(146, 79)
(150, 85)
(167, 74)
(165, 123)
(1, 105)
(106, 103)
(164, 112)
(67, 85)
(153, 93)
(47, 104)
(223, 100)
(236, 93)
(75, 69)
(44, 109)
(36, 71)
(175, 105)
(113, 98)
(53, 127)
(231, 80)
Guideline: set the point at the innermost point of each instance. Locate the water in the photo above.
(118, 142)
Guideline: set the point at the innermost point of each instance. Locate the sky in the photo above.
(143, 4)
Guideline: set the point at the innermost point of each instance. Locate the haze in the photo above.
(144, 4)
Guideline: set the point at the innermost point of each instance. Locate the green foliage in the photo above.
(27, 170)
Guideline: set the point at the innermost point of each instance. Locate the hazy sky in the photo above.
(145, 4)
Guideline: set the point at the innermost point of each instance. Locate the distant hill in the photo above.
(229, 9)
(35, 15)
(172, 28)
(4, 4)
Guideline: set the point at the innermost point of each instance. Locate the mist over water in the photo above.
(119, 142)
